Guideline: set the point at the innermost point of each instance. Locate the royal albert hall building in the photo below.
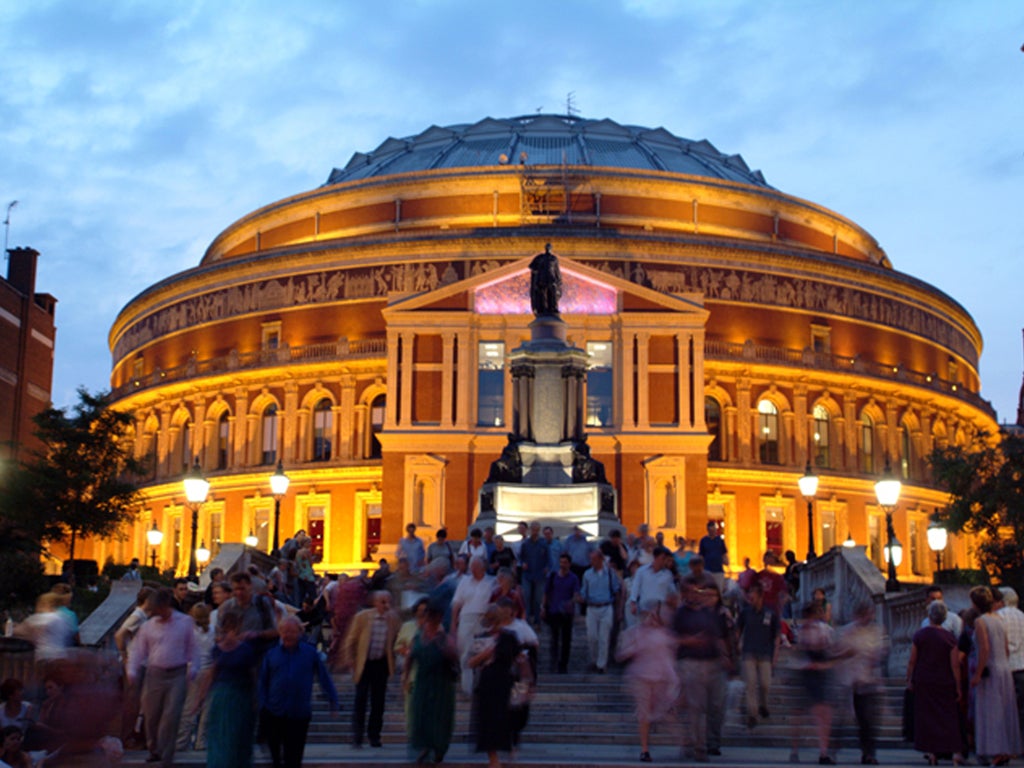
(358, 334)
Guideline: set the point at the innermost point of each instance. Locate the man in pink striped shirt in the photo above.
(166, 646)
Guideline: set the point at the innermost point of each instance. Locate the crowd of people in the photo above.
(455, 622)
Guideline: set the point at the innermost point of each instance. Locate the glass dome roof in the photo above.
(546, 140)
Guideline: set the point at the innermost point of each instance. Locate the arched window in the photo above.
(713, 418)
(269, 435)
(185, 446)
(223, 440)
(906, 454)
(768, 426)
(821, 436)
(867, 444)
(322, 421)
(377, 408)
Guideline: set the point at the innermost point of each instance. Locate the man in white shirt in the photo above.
(653, 582)
(469, 604)
(166, 646)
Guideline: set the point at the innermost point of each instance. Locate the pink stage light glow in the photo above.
(511, 296)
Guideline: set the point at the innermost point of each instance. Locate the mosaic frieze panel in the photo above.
(325, 287)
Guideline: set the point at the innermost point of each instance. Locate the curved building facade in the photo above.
(358, 333)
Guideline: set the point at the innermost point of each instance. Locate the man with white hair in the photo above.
(469, 604)
(1013, 620)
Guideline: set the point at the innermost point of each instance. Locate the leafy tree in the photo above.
(985, 481)
(81, 482)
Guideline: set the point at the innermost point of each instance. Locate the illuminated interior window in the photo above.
(821, 339)
(490, 384)
(216, 532)
(821, 436)
(377, 408)
(768, 429)
(322, 420)
(223, 435)
(269, 435)
(827, 518)
(875, 540)
(713, 418)
(600, 384)
(867, 444)
(271, 336)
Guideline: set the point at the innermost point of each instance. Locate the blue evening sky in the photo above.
(131, 133)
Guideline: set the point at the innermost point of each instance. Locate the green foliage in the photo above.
(81, 483)
(984, 481)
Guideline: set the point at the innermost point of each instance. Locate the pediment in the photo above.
(505, 290)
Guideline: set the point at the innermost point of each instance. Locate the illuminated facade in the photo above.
(358, 333)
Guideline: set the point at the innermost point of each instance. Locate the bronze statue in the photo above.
(545, 283)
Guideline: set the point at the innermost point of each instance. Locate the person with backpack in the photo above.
(259, 616)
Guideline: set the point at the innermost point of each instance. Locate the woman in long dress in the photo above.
(493, 661)
(933, 674)
(651, 677)
(996, 728)
(435, 661)
(232, 699)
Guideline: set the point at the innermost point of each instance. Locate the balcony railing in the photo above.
(333, 351)
(807, 358)
(346, 349)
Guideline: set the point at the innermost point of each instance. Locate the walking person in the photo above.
(716, 555)
(285, 692)
(933, 675)
(430, 672)
(599, 592)
(559, 610)
(815, 642)
(758, 627)
(166, 646)
(533, 570)
(651, 677)
(469, 604)
(862, 645)
(996, 725)
(231, 694)
(701, 634)
(369, 652)
(493, 657)
(192, 729)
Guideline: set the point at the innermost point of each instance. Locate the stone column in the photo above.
(199, 428)
(163, 442)
(744, 421)
(802, 422)
(242, 428)
(685, 407)
(447, 377)
(643, 380)
(463, 375)
(290, 448)
(626, 371)
(344, 417)
(395, 383)
(408, 345)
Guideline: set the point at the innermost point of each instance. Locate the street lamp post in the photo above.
(809, 487)
(154, 536)
(937, 540)
(887, 491)
(196, 488)
(279, 487)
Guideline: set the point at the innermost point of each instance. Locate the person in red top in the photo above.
(773, 583)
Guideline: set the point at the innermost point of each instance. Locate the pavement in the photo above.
(561, 756)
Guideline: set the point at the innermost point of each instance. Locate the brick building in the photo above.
(27, 334)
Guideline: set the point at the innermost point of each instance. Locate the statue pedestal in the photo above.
(504, 505)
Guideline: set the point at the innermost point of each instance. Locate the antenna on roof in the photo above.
(7, 224)
(570, 104)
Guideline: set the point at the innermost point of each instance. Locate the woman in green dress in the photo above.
(231, 683)
(435, 661)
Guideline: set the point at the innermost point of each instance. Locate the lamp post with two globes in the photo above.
(196, 489)
(887, 491)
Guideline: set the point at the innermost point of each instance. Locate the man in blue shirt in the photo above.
(533, 565)
(555, 548)
(712, 548)
(286, 687)
(578, 549)
(599, 592)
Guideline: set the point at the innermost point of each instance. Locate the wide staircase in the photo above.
(595, 709)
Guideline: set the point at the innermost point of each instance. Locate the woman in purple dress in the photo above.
(933, 674)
